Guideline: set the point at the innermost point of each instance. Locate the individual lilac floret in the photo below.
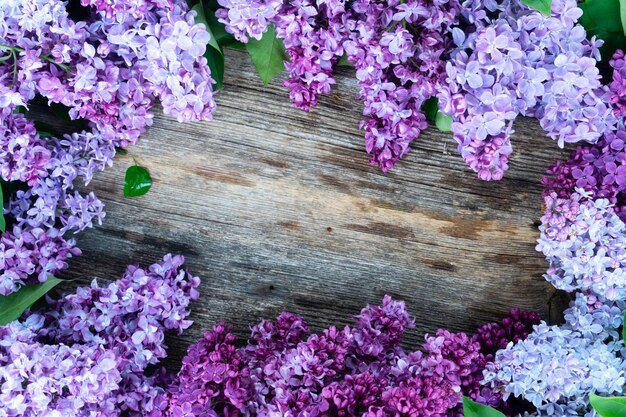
(89, 353)
(555, 369)
(584, 241)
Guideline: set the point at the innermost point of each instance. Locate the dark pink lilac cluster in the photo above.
(355, 371)
(107, 70)
(96, 352)
(486, 61)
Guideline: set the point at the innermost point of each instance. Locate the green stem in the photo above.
(15, 49)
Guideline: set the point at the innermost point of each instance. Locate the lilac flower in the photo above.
(245, 18)
(107, 70)
(536, 66)
(584, 247)
(88, 352)
(556, 368)
(359, 371)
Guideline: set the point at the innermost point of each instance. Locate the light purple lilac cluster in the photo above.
(583, 237)
(524, 63)
(557, 367)
(96, 352)
(355, 371)
(107, 70)
(486, 61)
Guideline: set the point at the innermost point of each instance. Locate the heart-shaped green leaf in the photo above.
(608, 407)
(268, 55)
(137, 181)
(474, 409)
(13, 305)
(443, 122)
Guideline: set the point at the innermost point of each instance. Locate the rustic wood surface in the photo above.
(278, 209)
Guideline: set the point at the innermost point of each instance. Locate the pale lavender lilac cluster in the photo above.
(524, 63)
(96, 352)
(486, 61)
(557, 367)
(583, 237)
(355, 371)
(108, 71)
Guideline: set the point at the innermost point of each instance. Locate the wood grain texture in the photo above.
(278, 209)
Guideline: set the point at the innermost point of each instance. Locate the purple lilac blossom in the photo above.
(108, 70)
(89, 353)
(524, 63)
(600, 170)
(248, 18)
(354, 371)
(585, 243)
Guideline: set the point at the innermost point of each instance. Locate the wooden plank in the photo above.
(278, 209)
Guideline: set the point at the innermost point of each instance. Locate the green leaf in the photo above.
(608, 407)
(137, 181)
(3, 222)
(45, 130)
(543, 6)
(474, 409)
(430, 109)
(268, 55)
(622, 14)
(13, 305)
(343, 61)
(237, 45)
(602, 18)
(214, 53)
(201, 18)
(443, 122)
(121, 151)
(215, 61)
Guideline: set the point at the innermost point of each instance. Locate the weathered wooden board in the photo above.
(278, 209)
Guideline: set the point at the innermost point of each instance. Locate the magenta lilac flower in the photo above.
(358, 371)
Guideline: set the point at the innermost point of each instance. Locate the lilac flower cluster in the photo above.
(556, 368)
(583, 236)
(358, 371)
(486, 61)
(524, 63)
(584, 240)
(397, 47)
(91, 353)
(107, 70)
